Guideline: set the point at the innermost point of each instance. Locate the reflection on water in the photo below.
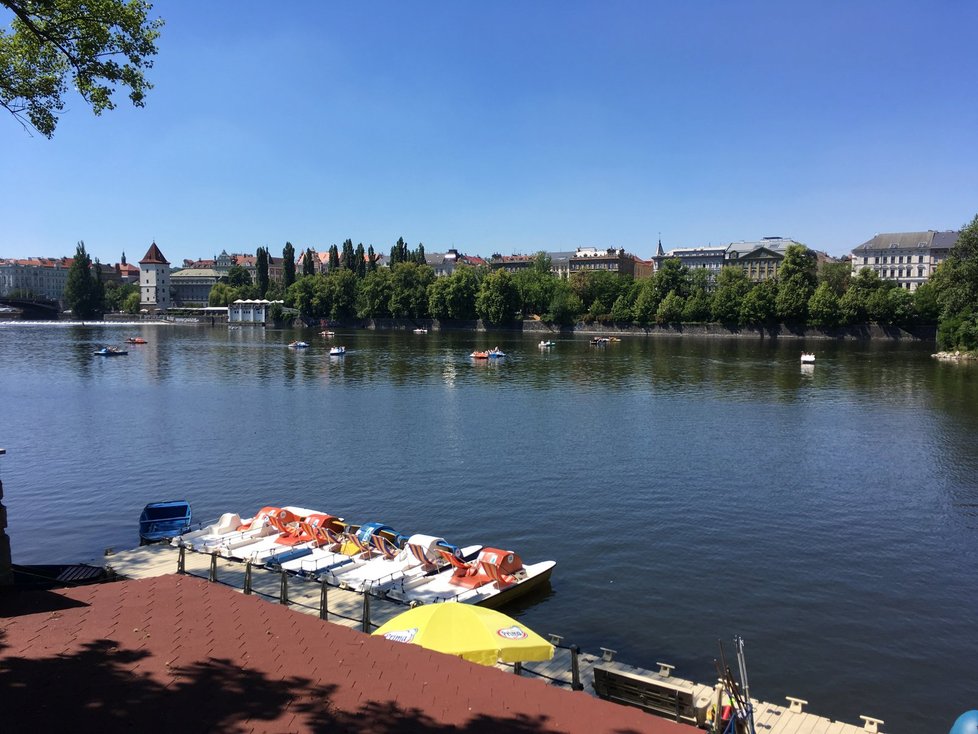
(689, 489)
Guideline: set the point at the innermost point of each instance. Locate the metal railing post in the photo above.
(212, 572)
(518, 668)
(283, 596)
(323, 606)
(366, 613)
(576, 684)
(247, 581)
(182, 560)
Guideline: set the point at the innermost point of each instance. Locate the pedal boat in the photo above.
(496, 577)
(333, 549)
(110, 352)
(292, 536)
(419, 557)
(230, 531)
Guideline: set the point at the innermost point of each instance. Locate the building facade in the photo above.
(909, 258)
(154, 281)
(35, 277)
(192, 286)
(250, 312)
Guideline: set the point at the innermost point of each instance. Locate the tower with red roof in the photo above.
(154, 280)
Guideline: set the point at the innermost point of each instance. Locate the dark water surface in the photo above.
(688, 489)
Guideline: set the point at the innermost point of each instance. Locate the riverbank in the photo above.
(858, 332)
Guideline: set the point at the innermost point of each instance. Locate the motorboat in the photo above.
(420, 331)
(230, 526)
(298, 345)
(547, 344)
(135, 340)
(161, 521)
(295, 535)
(494, 578)
(419, 557)
(808, 358)
(336, 549)
(337, 351)
(110, 352)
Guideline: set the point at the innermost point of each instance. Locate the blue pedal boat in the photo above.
(164, 520)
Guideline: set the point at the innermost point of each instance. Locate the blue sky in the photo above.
(513, 127)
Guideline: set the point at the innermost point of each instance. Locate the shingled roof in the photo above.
(176, 653)
(153, 256)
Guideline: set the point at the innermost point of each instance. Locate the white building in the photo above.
(38, 277)
(249, 312)
(909, 258)
(154, 281)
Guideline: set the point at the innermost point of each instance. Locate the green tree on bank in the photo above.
(956, 285)
(83, 287)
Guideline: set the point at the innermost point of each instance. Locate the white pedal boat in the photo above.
(496, 577)
(291, 536)
(419, 557)
(336, 549)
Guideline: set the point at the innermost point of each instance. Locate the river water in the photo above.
(689, 489)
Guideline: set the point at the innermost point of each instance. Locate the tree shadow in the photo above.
(104, 687)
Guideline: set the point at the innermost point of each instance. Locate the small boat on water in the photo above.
(337, 351)
(231, 530)
(547, 344)
(495, 353)
(479, 355)
(163, 521)
(298, 345)
(295, 535)
(600, 341)
(808, 358)
(494, 578)
(135, 340)
(327, 333)
(110, 352)
(420, 331)
(334, 550)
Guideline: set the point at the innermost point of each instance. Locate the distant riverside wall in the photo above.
(859, 332)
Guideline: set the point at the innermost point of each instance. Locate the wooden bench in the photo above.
(653, 695)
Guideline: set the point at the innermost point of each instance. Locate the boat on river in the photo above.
(231, 527)
(161, 521)
(327, 333)
(298, 345)
(807, 358)
(419, 557)
(494, 578)
(135, 340)
(337, 351)
(333, 550)
(110, 352)
(547, 344)
(420, 331)
(292, 536)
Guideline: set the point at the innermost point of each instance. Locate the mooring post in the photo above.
(366, 613)
(283, 595)
(518, 668)
(323, 608)
(182, 560)
(247, 581)
(576, 684)
(212, 573)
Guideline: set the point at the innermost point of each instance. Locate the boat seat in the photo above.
(501, 579)
(461, 568)
(384, 546)
(360, 545)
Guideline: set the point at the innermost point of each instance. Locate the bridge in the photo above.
(40, 309)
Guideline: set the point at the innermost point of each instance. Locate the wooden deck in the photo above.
(347, 608)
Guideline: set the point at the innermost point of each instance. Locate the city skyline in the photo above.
(513, 129)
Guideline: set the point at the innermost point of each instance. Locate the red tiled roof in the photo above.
(176, 653)
(154, 257)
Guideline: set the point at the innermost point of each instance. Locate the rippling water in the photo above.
(689, 489)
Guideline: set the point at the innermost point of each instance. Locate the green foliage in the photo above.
(237, 277)
(93, 47)
(535, 288)
(565, 305)
(542, 263)
(794, 292)
(837, 275)
(498, 299)
(647, 302)
(823, 306)
(697, 307)
(117, 295)
(956, 282)
(308, 266)
(288, 265)
(371, 260)
(670, 309)
(731, 287)
(759, 304)
(409, 293)
(438, 299)
(131, 304)
(925, 302)
(622, 311)
(360, 261)
(801, 263)
(276, 313)
(83, 289)
(334, 258)
(463, 289)
(672, 275)
(341, 288)
(853, 306)
(374, 294)
(261, 271)
(222, 294)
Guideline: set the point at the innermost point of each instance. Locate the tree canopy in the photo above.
(94, 47)
(83, 288)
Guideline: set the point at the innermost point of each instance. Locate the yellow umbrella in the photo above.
(477, 634)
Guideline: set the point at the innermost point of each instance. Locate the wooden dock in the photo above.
(355, 610)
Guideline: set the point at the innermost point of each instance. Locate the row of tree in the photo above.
(88, 297)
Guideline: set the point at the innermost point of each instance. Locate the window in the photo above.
(920, 258)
